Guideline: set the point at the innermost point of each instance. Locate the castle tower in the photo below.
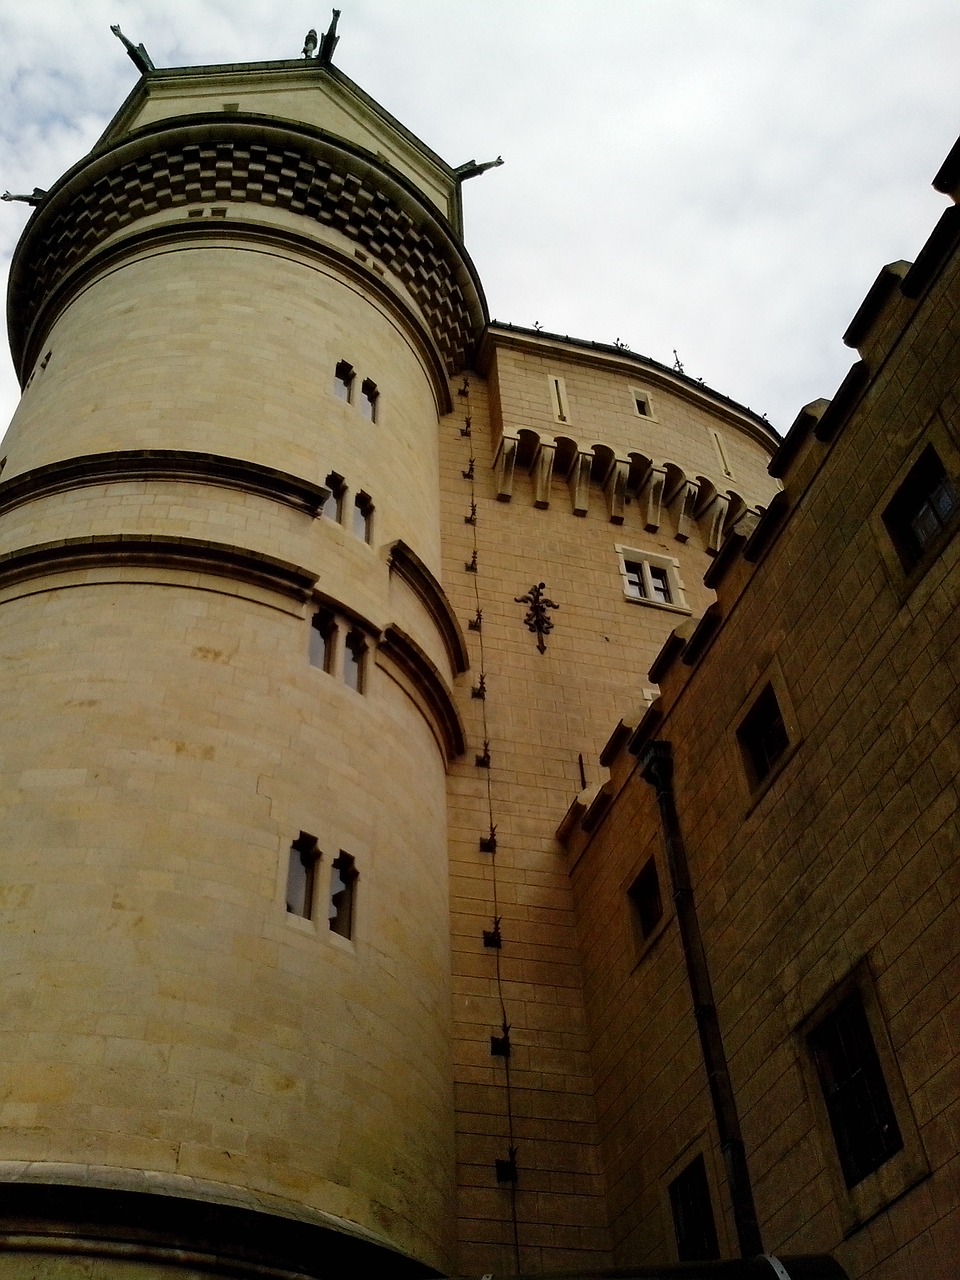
(226, 671)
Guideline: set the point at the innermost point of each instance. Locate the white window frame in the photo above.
(646, 560)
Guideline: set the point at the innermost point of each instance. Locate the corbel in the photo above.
(543, 473)
(503, 465)
(685, 498)
(580, 483)
(615, 487)
(656, 479)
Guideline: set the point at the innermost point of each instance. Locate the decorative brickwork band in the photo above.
(293, 168)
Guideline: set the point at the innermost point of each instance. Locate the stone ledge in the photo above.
(162, 464)
(182, 554)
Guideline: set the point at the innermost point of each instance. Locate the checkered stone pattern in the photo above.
(322, 188)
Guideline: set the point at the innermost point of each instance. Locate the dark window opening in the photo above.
(323, 634)
(763, 736)
(633, 572)
(333, 503)
(659, 584)
(301, 873)
(354, 656)
(369, 396)
(646, 899)
(643, 407)
(343, 887)
(922, 508)
(647, 581)
(693, 1222)
(343, 377)
(362, 517)
(864, 1126)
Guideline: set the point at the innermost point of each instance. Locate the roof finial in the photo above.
(310, 44)
(138, 54)
(330, 42)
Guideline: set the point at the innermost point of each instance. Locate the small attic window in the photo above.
(642, 404)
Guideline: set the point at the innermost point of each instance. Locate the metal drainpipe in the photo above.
(656, 767)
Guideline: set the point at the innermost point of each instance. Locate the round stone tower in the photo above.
(225, 672)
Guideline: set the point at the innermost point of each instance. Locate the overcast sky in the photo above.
(723, 178)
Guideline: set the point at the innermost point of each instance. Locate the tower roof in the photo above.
(303, 91)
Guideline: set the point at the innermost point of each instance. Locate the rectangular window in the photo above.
(762, 736)
(642, 404)
(323, 634)
(922, 509)
(354, 656)
(369, 399)
(646, 899)
(343, 888)
(362, 517)
(333, 503)
(651, 579)
(301, 873)
(693, 1223)
(558, 398)
(343, 377)
(721, 452)
(864, 1126)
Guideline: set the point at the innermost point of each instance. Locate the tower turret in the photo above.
(226, 670)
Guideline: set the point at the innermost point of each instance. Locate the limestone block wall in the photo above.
(168, 741)
(230, 349)
(539, 711)
(837, 875)
(166, 538)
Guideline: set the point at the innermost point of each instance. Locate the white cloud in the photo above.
(725, 179)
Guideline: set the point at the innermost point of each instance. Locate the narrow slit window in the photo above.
(323, 635)
(354, 661)
(301, 875)
(363, 517)
(558, 399)
(721, 452)
(641, 403)
(333, 503)
(343, 377)
(369, 400)
(343, 892)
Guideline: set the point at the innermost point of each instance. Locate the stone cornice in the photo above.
(190, 555)
(402, 658)
(162, 1220)
(162, 464)
(629, 364)
(207, 159)
(406, 564)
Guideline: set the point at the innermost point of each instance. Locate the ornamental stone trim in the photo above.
(245, 162)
